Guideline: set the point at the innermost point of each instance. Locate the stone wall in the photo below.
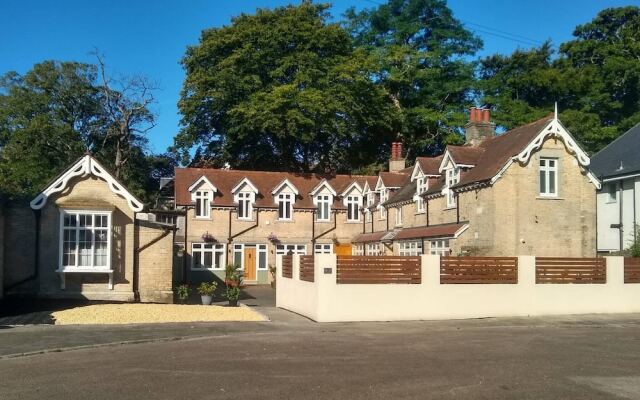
(19, 233)
(155, 262)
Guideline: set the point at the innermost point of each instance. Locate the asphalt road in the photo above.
(588, 357)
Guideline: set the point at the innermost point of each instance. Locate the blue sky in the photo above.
(150, 37)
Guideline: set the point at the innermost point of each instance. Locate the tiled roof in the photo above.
(224, 180)
(620, 157)
(429, 165)
(427, 232)
(405, 193)
(395, 179)
(466, 155)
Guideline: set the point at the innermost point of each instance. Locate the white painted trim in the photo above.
(417, 171)
(319, 186)
(554, 129)
(281, 185)
(349, 188)
(620, 178)
(379, 184)
(87, 165)
(445, 158)
(223, 260)
(460, 231)
(202, 179)
(244, 181)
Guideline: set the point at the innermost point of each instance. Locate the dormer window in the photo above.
(453, 177)
(353, 208)
(383, 197)
(245, 205)
(285, 206)
(323, 203)
(203, 200)
(421, 187)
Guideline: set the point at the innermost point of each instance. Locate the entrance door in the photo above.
(250, 264)
(342, 249)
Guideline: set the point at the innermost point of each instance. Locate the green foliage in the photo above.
(207, 288)
(52, 115)
(182, 291)
(233, 274)
(233, 293)
(634, 249)
(595, 78)
(283, 89)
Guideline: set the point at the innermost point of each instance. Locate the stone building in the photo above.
(527, 191)
(85, 236)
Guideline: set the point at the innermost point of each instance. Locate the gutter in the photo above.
(36, 257)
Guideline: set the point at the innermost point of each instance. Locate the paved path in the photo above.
(586, 357)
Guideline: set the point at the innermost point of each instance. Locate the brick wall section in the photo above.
(19, 244)
(155, 263)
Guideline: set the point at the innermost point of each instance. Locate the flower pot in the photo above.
(233, 302)
(206, 299)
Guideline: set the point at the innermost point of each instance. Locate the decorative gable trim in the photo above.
(281, 186)
(202, 180)
(445, 160)
(417, 172)
(352, 185)
(319, 187)
(379, 184)
(87, 165)
(247, 182)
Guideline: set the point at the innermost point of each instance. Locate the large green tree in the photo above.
(52, 115)
(422, 57)
(595, 78)
(283, 89)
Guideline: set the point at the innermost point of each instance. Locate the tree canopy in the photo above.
(595, 78)
(52, 115)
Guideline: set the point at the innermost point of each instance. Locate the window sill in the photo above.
(549, 198)
(353, 222)
(284, 220)
(246, 219)
(449, 208)
(420, 212)
(88, 270)
(203, 218)
(207, 269)
(323, 221)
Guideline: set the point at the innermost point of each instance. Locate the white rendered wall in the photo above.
(326, 301)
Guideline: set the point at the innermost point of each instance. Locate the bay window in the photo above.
(548, 177)
(439, 247)
(373, 249)
(85, 240)
(323, 249)
(410, 248)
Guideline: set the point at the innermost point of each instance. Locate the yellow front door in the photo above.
(250, 264)
(342, 249)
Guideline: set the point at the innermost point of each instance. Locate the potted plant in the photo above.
(182, 291)
(206, 290)
(273, 238)
(207, 237)
(233, 280)
(272, 271)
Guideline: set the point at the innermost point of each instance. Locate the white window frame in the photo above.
(199, 247)
(353, 206)
(358, 249)
(422, 185)
(286, 198)
(410, 248)
(238, 248)
(399, 216)
(383, 198)
(77, 228)
(248, 199)
(323, 204)
(283, 249)
(439, 247)
(262, 249)
(373, 249)
(452, 177)
(203, 209)
(546, 171)
(323, 248)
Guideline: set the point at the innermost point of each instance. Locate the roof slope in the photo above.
(265, 181)
(429, 165)
(465, 155)
(622, 152)
(394, 179)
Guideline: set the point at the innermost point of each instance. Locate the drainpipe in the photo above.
(231, 237)
(457, 208)
(136, 254)
(36, 256)
(621, 215)
(364, 221)
(426, 205)
(184, 254)
(313, 230)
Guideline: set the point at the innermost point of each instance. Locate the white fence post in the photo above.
(526, 271)
(430, 269)
(295, 267)
(615, 270)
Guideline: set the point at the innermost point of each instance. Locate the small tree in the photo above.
(634, 249)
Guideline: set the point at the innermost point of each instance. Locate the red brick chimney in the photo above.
(479, 127)
(397, 162)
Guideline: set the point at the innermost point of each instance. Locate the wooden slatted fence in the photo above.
(378, 269)
(632, 270)
(306, 268)
(287, 266)
(478, 270)
(570, 270)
